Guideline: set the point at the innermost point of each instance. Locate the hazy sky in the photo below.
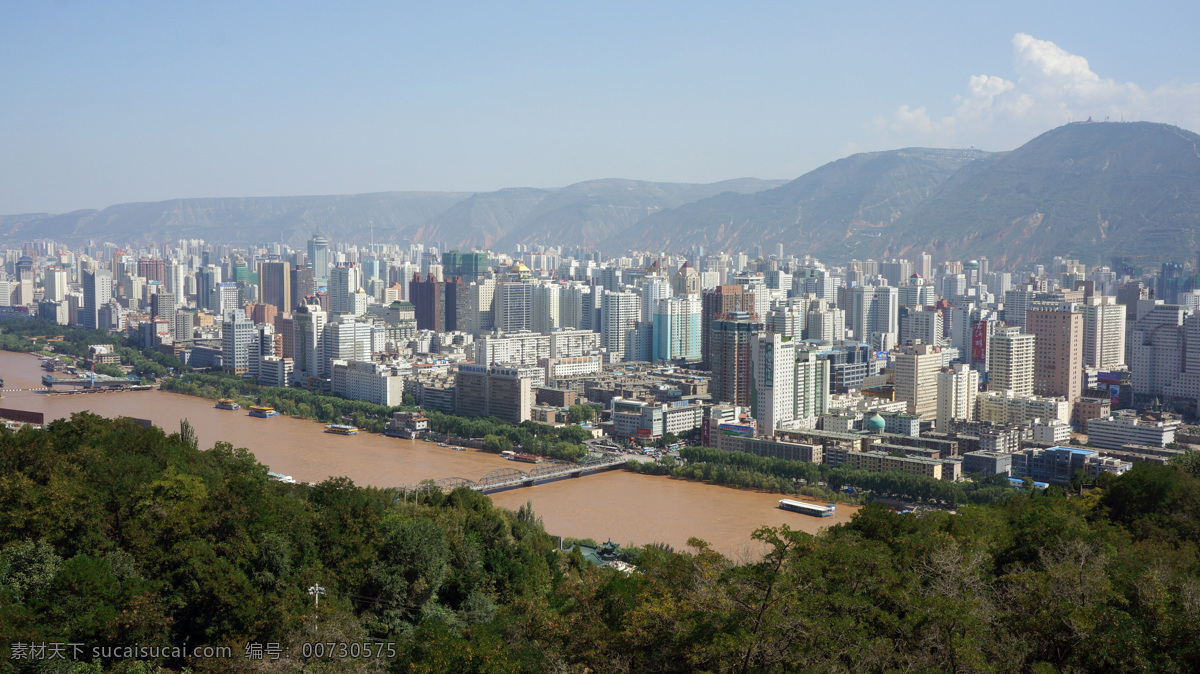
(108, 102)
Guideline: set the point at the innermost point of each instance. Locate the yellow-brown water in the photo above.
(623, 506)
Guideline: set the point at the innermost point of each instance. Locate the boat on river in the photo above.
(262, 411)
(339, 429)
(227, 404)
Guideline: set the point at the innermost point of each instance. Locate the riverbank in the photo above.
(620, 505)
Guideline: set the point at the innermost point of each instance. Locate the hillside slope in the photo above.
(819, 212)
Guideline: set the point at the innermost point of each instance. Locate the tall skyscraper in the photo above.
(275, 279)
(1010, 361)
(308, 342)
(469, 266)
(319, 258)
(56, 284)
(97, 291)
(676, 328)
(957, 388)
(152, 269)
(917, 370)
(237, 337)
(653, 288)
(544, 307)
(715, 304)
(344, 281)
(1057, 353)
(226, 298)
(1103, 332)
(619, 313)
(773, 399)
(873, 311)
(514, 306)
(731, 367)
(162, 305)
(207, 279)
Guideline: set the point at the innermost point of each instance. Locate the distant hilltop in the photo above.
(1087, 189)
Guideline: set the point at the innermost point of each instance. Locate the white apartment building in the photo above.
(377, 383)
(1005, 407)
(1127, 429)
(1103, 332)
(1010, 362)
(957, 390)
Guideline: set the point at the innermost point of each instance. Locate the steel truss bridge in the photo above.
(511, 478)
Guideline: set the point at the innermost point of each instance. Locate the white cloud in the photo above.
(1051, 86)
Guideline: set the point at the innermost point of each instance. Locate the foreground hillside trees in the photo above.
(114, 534)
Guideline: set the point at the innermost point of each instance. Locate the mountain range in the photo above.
(1084, 190)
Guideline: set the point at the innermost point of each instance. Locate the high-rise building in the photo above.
(788, 319)
(957, 388)
(1172, 279)
(207, 279)
(773, 362)
(920, 326)
(1057, 353)
(687, 280)
(917, 369)
(676, 328)
(619, 313)
(1103, 332)
(514, 306)
(97, 291)
(226, 298)
(1010, 361)
(162, 305)
(308, 342)
(319, 258)
(347, 339)
(344, 282)
(544, 307)
(237, 337)
(470, 267)
(1158, 347)
(730, 339)
(152, 269)
(653, 288)
(275, 281)
(715, 304)
(56, 284)
(825, 323)
(872, 311)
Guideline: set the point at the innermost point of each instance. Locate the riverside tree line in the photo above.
(114, 533)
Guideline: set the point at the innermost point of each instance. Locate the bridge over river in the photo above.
(512, 478)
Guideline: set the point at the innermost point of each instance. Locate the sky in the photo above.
(112, 102)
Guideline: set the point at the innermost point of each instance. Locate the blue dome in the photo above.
(876, 423)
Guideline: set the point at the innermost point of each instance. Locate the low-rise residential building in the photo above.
(1127, 429)
(1055, 465)
(408, 425)
(987, 463)
(882, 462)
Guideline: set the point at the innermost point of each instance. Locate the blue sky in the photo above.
(102, 103)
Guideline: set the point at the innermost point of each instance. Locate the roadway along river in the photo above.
(625, 507)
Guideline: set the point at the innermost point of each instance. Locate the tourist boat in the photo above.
(807, 508)
(526, 458)
(341, 430)
(459, 449)
(227, 404)
(262, 411)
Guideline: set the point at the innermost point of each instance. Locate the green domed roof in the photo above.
(876, 423)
